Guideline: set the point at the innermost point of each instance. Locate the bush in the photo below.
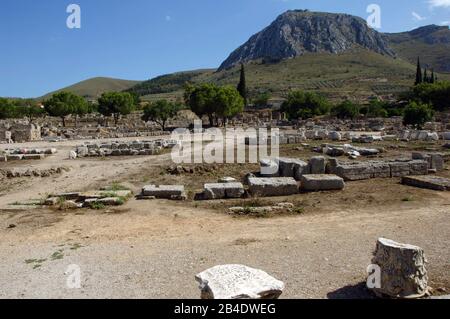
(377, 108)
(417, 114)
(305, 105)
(436, 94)
(346, 110)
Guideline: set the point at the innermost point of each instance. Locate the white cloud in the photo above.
(439, 3)
(417, 16)
(445, 23)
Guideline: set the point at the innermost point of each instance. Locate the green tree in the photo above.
(228, 103)
(417, 114)
(213, 101)
(160, 112)
(262, 100)
(63, 104)
(377, 108)
(346, 110)
(6, 108)
(116, 104)
(30, 109)
(305, 105)
(436, 94)
(242, 86)
(419, 78)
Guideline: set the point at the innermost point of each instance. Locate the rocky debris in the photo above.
(418, 136)
(446, 136)
(227, 180)
(403, 271)
(297, 32)
(246, 178)
(173, 192)
(353, 171)
(364, 139)
(133, 148)
(18, 154)
(428, 182)
(223, 191)
(321, 182)
(30, 172)
(238, 282)
(262, 210)
(317, 165)
(334, 136)
(276, 186)
(269, 168)
(197, 169)
(435, 160)
(95, 199)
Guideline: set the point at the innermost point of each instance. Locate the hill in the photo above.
(93, 88)
(297, 32)
(431, 43)
(356, 74)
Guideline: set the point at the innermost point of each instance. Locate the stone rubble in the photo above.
(403, 271)
(238, 282)
(321, 182)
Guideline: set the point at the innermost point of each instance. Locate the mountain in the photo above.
(431, 43)
(93, 88)
(297, 32)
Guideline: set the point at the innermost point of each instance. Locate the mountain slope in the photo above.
(93, 88)
(431, 43)
(355, 74)
(297, 32)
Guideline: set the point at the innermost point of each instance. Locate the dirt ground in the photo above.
(153, 249)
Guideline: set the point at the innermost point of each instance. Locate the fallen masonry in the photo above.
(31, 172)
(321, 182)
(353, 171)
(435, 160)
(278, 208)
(403, 271)
(429, 182)
(174, 192)
(19, 154)
(122, 148)
(95, 199)
(277, 186)
(238, 282)
(223, 190)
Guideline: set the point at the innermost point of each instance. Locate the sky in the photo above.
(141, 39)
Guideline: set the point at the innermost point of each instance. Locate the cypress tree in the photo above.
(425, 76)
(432, 79)
(242, 86)
(418, 73)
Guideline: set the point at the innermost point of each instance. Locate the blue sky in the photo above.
(140, 39)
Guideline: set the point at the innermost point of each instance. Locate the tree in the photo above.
(214, 101)
(6, 108)
(425, 76)
(419, 78)
(63, 104)
(116, 104)
(30, 109)
(262, 100)
(417, 114)
(228, 103)
(346, 110)
(436, 94)
(433, 77)
(305, 105)
(160, 112)
(242, 86)
(377, 108)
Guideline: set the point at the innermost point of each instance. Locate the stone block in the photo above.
(322, 182)
(33, 156)
(317, 165)
(403, 271)
(238, 282)
(163, 191)
(277, 186)
(429, 182)
(223, 190)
